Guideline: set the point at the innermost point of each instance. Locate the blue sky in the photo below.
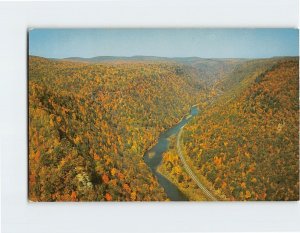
(206, 43)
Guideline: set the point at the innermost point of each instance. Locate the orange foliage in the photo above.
(108, 197)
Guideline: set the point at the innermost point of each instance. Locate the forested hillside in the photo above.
(90, 125)
(246, 143)
(210, 70)
(92, 120)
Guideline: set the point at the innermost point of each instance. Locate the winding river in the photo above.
(153, 157)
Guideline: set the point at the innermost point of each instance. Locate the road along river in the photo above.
(153, 157)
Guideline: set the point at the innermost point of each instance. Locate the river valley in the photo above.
(154, 156)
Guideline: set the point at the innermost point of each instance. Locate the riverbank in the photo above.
(154, 156)
(172, 168)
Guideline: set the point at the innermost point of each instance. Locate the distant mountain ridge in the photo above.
(209, 69)
(114, 58)
(146, 58)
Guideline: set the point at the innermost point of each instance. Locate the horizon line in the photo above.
(120, 56)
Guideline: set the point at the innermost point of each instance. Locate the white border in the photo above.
(20, 216)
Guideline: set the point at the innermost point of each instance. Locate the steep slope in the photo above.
(244, 70)
(246, 145)
(212, 70)
(90, 125)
